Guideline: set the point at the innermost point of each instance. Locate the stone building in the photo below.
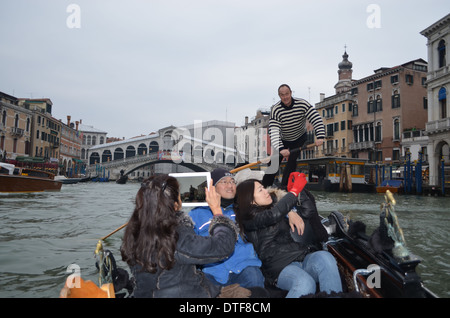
(46, 130)
(70, 149)
(438, 88)
(336, 111)
(385, 104)
(15, 128)
(252, 140)
(90, 136)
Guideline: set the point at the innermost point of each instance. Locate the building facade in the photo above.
(336, 112)
(385, 104)
(90, 136)
(438, 88)
(46, 130)
(15, 128)
(252, 140)
(70, 149)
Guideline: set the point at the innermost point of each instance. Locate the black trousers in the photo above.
(291, 163)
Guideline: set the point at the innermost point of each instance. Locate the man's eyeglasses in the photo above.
(232, 182)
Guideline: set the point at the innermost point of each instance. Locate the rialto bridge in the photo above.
(199, 147)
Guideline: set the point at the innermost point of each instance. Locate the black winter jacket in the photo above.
(184, 280)
(271, 235)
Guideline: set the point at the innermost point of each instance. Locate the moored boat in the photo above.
(395, 186)
(66, 180)
(25, 180)
(334, 174)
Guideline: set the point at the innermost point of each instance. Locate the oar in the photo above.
(116, 230)
(267, 160)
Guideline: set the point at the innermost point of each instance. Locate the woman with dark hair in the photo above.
(161, 248)
(287, 264)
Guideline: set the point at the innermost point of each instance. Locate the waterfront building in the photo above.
(46, 130)
(15, 128)
(438, 88)
(385, 104)
(70, 150)
(336, 112)
(90, 137)
(252, 140)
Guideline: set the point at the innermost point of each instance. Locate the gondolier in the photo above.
(287, 129)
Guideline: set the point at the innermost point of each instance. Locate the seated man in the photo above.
(243, 265)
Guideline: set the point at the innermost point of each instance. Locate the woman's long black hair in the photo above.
(243, 206)
(150, 237)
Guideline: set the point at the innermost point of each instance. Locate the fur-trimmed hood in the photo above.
(185, 220)
(277, 193)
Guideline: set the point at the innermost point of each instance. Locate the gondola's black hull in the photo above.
(392, 279)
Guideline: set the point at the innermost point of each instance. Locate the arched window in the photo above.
(395, 99)
(378, 132)
(379, 104)
(441, 53)
(443, 102)
(355, 110)
(4, 118)
(396, 129)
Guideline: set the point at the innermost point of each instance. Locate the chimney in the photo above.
(246, 120)
(68, 120)
(322, 97)
(77, 123)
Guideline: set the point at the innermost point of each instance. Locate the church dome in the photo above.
(345, 64)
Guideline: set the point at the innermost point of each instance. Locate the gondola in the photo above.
(375, 266)
(122, 180)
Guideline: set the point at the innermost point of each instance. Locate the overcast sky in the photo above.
(132, 67)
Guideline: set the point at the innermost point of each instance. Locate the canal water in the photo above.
(42, 234)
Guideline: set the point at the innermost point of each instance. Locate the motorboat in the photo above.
(25, 180)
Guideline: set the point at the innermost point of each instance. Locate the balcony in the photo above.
(17, 131)
(414, 135)
(438, 126)
(362, 145)
(330, 151)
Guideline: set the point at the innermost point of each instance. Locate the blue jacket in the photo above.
(244, 254)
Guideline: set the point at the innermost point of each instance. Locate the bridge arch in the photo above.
(94, 158)
(142, 149)
(153, 147)
(106, 156)
(192, 166)
(118, 153)
(130, 152)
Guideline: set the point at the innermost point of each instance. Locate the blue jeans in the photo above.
(251, 276)
(300, 278)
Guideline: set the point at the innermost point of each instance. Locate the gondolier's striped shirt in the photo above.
(289, 123)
